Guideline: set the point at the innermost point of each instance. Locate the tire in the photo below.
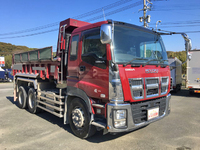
(179, 87)
(32, 101)
(79, 119)
(22, 98)
(10, 80)
(191, 92)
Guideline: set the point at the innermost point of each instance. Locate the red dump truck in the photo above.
(109, 76)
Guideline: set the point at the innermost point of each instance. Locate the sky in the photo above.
(35, 23)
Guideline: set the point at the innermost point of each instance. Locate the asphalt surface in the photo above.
(21, 130)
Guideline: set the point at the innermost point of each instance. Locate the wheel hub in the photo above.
(78, 117)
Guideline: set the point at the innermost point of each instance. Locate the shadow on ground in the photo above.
(97, 138)
(185, 93)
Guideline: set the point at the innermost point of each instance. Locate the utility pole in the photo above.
(145, 19)
(144, 13)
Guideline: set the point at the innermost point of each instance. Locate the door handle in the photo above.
(82, 68)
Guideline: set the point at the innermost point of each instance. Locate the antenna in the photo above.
(159, 21)
(104, 15)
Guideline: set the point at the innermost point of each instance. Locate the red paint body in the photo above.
(93, 81)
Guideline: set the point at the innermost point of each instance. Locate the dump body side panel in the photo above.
(39, 61)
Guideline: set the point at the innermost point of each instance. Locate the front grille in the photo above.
(152, 81)
(152, 91)
(136, 82)
(139, 109)
(152, 87)
(164, 85)
(164, 80)
(137, 88)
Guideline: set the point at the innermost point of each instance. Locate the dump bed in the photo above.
(38, 62)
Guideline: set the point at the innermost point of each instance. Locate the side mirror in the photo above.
(189, 45)
(189, 56)
(188, 48)
(106, 33)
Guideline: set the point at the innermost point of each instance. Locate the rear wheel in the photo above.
(22, 97)
(191, 92)
(79, 119)
(32, 101)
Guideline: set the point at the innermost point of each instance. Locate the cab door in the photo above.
(73, 62)
(93, 67)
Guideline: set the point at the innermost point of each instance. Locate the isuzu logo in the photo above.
(151, 70)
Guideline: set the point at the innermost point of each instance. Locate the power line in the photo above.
(32, 29)
(191, 31)
(116, 11)
(179, 22)
(92, 19)
(93, 12)
(30, 34)
(99, 10)
(180, 26)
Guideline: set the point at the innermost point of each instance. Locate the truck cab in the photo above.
(123, 69)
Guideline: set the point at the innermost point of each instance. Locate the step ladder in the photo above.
(51, 102)
(61, 42)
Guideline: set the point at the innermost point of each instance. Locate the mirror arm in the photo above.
(185, 37)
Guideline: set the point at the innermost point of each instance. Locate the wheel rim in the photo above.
(31, 100)
(21, 100)
(78, 117)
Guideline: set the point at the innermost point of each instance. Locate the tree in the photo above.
(7, 50)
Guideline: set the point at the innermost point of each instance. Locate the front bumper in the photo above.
(130, 121)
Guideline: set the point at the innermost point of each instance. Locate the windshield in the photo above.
(130, 43)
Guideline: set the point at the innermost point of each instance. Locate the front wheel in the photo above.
(79, 119)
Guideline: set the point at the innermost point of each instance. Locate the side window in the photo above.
(74, 47)
(93, 51)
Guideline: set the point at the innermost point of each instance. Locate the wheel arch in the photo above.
(76, 93)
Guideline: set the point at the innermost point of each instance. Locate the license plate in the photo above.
(153, 113)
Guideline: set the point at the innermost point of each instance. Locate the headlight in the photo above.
(115, 85)
(120, 114)
(120, 118)
(115, 88)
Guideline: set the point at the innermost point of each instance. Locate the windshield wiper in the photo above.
(163, 61)
(150, 61)
(124, 65)
(160, 61)
(163, 65)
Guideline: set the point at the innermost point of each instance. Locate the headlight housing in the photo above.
(120, 118)
(115, 87)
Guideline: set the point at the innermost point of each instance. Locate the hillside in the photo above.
(7, 49)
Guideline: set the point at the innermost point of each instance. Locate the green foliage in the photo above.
(7, 50)
(181, 56)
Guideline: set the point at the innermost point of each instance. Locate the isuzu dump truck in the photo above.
(193, 72)
(109, 76)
